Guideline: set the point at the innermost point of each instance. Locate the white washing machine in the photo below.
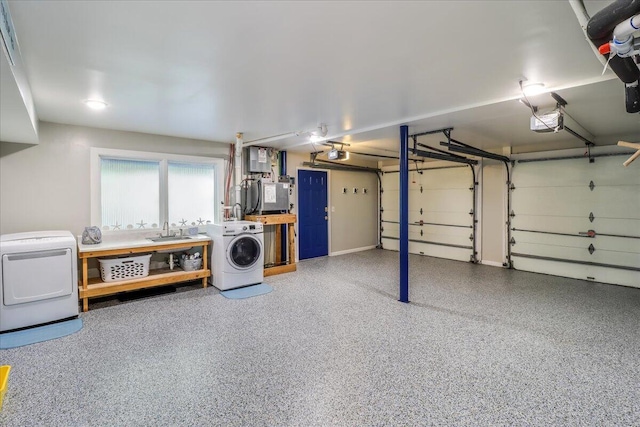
(38, 278)
(237, 256)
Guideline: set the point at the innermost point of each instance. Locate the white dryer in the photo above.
(38, 278)
(237, 256)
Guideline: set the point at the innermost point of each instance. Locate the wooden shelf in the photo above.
(164, 276)
(95, 287)
(279, 219)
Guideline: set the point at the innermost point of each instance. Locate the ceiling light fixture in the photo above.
(319, 133)
(95, 104)
(532, 89)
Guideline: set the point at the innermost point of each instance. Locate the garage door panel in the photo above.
(617, 202)
(609, 202)
(570, 225)
(555, 197)
(457, 177)
(439, 196)
(441, 200)
(581, 253)
(429, 250)
(599, 242)
(579, 271)
(390, 199)
(551, 223)
(391, 181)
(550, 174)
(443, 235)
(451, 218)
(545, 201)
(439, 251)
(576, 173)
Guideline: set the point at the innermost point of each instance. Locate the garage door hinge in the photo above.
(512, 187)
(512, 214)
(381, 209)
(512, 241)
(592, 185)
(471, 212)
(381, 228)
(421, 233)
(591, 217)
(420, 211)
(592, 249)
(421, 189)
(471, 237)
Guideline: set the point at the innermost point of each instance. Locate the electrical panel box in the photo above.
(258, 160)
(267, 197)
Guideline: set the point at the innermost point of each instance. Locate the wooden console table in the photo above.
(278, 219)
(95, 287)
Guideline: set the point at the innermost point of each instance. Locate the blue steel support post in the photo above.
(404, 213)
(283, 227)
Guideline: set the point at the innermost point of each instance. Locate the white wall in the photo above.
(47, 186)
(492, 226)
(353, 224)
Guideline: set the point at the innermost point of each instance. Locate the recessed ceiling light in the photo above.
(95, 104)
(531, 89)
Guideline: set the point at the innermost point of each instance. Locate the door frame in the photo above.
(329, 214)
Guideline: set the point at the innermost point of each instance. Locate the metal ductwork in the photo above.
(600, 31)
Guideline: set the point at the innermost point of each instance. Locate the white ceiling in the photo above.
(206, 70)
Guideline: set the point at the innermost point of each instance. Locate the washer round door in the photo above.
(244, 251)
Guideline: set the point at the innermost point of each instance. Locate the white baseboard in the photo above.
(348, 251)
(492, 263)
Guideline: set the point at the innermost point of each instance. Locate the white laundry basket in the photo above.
(115, 269)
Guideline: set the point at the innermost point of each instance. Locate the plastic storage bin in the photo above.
(191, 264)
(4, 380)
(115, 269)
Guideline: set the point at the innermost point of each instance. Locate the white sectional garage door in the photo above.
(440, 212)
(578, 219)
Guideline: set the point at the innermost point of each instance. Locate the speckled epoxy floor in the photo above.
(331, 346)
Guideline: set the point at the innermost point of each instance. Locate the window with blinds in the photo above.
(136, 190)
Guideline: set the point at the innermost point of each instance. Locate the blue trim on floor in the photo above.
(247, 291)
(39, 334)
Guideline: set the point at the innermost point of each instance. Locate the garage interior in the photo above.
(482, 261)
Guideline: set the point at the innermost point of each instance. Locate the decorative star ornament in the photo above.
(200, 221)
(116, 226)
(141, 224)
(183, 222)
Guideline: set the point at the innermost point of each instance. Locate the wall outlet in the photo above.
(344, 190)
(355, 191)
(364, 191)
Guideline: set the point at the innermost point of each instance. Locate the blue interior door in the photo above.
(312, 214)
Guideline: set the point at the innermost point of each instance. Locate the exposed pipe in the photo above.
(238, 173)
(600, 30)
(623, 30)
(583, 19)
